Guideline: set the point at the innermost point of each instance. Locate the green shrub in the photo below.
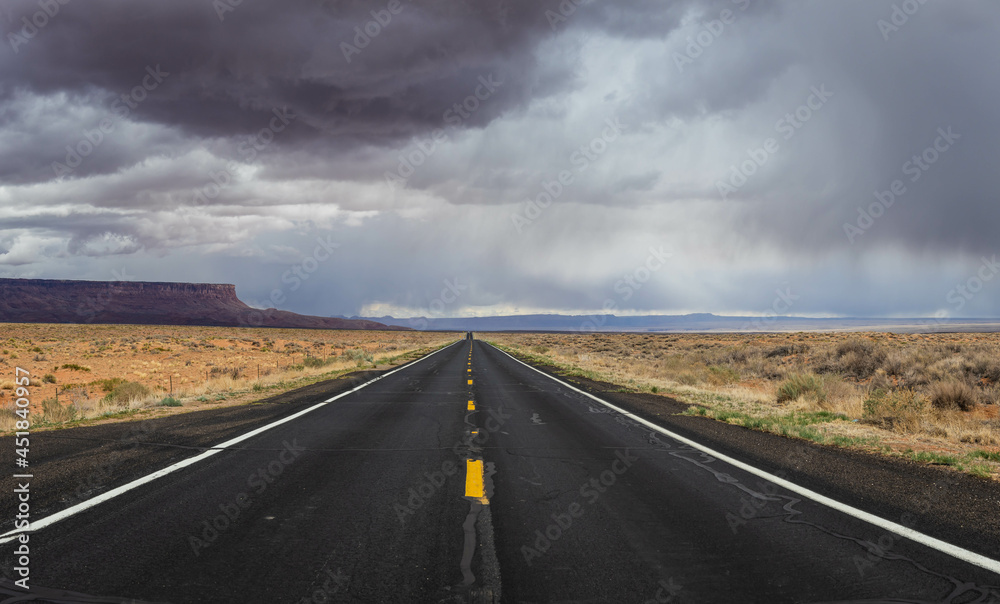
(311, 361)
(48, 378)
(170, 402)
(75, 367)
(800, 385)
(357, 355)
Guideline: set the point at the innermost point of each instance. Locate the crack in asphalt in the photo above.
(961, 589)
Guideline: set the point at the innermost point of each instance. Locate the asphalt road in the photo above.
(470, 477)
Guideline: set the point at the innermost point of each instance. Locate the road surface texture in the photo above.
(468, 476)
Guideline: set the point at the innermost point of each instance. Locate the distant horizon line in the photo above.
(581, 314)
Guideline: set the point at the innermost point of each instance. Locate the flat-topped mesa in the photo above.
(147, 303)
(124, 289)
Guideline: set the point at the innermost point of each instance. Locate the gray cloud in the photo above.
(194, 180)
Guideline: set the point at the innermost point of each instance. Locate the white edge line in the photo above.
(898, 529)
(80, 507)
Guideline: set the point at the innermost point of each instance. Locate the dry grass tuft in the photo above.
(899, 411)
(799, 386)
(953, 394)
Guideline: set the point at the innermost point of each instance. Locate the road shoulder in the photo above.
(955, 507)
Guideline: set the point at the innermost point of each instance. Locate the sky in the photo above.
(462, 158)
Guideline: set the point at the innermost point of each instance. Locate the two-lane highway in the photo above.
(469, 476)
(311, 508)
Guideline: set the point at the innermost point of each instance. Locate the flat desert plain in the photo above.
(100, 371)
(932, 398)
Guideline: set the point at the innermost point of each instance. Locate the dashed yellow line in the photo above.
(470, 382)
(474, 484)
(472, 406)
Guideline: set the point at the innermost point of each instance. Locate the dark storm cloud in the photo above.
(227, 74)
(230, 67)
(700, 86)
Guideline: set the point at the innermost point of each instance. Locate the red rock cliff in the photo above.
(145, 303)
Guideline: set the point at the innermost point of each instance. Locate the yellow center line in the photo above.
(472, 406)
(470, 382)
(474, 486)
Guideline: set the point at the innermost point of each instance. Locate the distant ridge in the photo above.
(696, 322)
(149, 303)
